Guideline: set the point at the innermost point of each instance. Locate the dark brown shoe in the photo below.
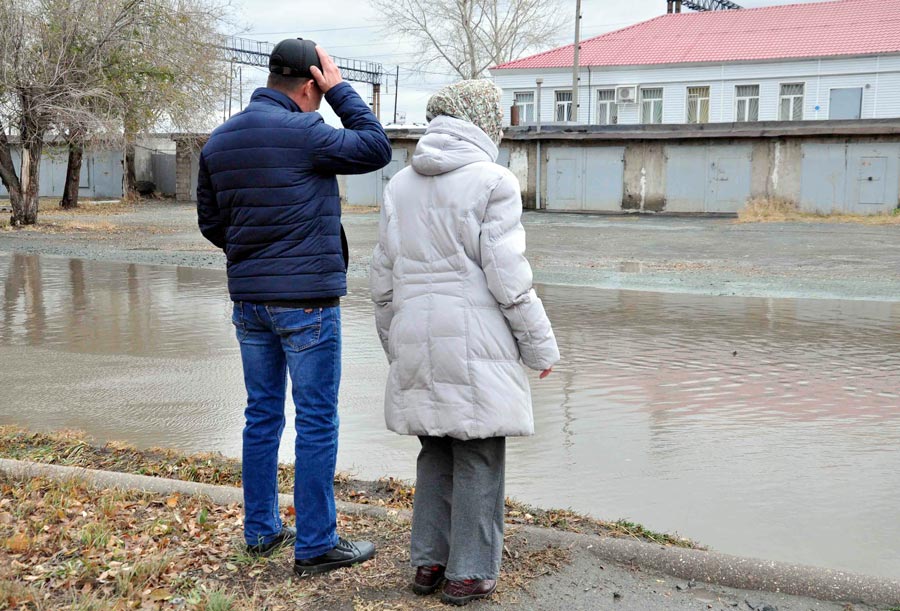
(428, 578)
(463, 592)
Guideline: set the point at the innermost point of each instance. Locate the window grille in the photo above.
(652, 105)
(791, 104)
(607, 109)
(525, 101)
(563, 106)
(746, 103)
(698, 105)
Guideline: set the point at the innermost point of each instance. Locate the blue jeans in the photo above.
(307, 344)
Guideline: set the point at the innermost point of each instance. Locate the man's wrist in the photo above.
(334, 87)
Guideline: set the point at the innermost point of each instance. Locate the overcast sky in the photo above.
(356, 34)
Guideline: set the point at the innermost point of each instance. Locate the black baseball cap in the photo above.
(293, 57)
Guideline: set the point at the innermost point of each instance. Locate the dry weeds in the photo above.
(76, 449)
(83, 220)
(352, 209)
(67, 546)
(774, 210)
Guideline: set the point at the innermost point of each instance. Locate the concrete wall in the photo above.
(678, 168)
(101, 173)
(645, 177)
(145, 149)
(717, 169)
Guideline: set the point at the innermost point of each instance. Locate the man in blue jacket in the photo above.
(267, 195)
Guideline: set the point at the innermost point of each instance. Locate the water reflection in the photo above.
(112, 308)
(766, 427)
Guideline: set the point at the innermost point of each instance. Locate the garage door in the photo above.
(852, 178)
(707, 178)
(585, 179)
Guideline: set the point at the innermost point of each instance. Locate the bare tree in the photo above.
(172, 72)
(470, 36)
(49, 55)
(23, 93)
(102, 31)
(169, 71)
(69, 66)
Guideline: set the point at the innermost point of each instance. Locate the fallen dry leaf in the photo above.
(160, 594)
(18, 543)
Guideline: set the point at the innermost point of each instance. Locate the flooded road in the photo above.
(762, 427)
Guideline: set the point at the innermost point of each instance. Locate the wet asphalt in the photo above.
(711, 256)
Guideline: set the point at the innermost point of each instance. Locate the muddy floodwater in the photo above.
(761, 427)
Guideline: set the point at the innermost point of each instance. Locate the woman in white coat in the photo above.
(458, 317)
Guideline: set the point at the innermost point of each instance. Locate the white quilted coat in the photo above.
(454, 303)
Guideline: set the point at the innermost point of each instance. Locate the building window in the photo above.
(746, 103)
(791, 106)
(607, 109)
(698, 105)
(652, 105)
(564, 105)
(524, 101)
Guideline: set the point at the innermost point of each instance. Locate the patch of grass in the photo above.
(74, 449)
(17, 595)
(768, 209)
(565, 519)
(50, 206)
(776, 210)
(137, 569)
(95, 535)
(351, 209)
(140, 576)
(218, 601)
(89, 218)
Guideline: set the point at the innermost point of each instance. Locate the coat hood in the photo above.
(449, 144)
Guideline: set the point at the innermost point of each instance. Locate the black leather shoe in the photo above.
(345, 553)
(286, 537)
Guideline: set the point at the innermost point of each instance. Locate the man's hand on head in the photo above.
(329, 75)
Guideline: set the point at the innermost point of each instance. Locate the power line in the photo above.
(354, 27)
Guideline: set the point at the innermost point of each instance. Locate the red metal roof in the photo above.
(821, 29)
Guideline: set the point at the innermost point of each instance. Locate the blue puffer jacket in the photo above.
(267, 193)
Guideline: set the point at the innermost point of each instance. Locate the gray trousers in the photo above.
(458, 507)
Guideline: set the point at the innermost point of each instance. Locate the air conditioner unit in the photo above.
(626, 94)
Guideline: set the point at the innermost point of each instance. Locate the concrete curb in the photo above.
(703, 566)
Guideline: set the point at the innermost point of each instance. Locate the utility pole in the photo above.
(575, 61)
(241, 85)
(230, 88)
(396, 89)
(376, 100)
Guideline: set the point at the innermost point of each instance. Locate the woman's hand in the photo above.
(546, 372)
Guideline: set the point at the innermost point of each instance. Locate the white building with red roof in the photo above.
(824, 60)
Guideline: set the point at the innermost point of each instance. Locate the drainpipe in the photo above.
(590, 96)
(537, 179)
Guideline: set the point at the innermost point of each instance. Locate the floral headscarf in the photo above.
(476, 101)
